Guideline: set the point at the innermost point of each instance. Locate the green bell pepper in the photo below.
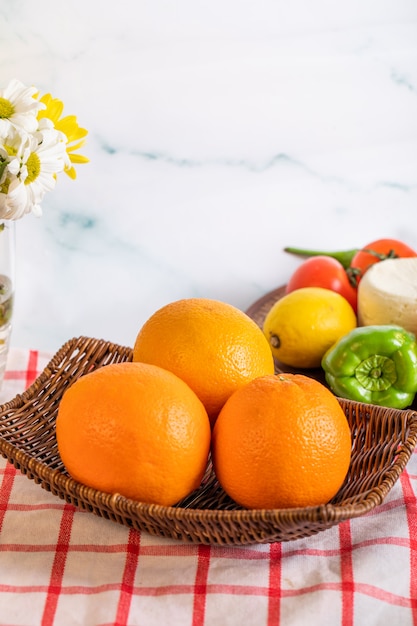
(374, 364)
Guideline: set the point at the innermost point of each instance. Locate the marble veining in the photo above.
(219, 133)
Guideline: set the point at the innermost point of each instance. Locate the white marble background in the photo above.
(219, 132)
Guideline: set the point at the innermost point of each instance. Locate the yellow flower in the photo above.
(69, 127)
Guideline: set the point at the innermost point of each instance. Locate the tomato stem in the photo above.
(391, 254)
(343, 256)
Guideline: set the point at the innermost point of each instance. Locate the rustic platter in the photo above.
(258, 311)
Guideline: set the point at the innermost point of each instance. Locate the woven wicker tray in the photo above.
(383, 440)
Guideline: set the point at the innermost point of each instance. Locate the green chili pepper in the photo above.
(374, 364)
(343, 256)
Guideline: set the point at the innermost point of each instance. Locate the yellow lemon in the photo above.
(305, 323)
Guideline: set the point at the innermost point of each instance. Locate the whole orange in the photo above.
(134, 429)
(213, 346)
(281, 441)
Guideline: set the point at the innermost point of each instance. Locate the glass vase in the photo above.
(7, 288)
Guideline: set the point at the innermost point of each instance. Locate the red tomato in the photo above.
(382, 249)
(325, 272)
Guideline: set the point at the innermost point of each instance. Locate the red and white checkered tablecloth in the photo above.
(64, 567)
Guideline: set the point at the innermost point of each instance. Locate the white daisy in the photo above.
(13, 199)
(36, 144)
(18, 107)
(41, 159)
(14, 151)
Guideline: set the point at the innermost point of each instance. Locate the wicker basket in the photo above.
(383, 440)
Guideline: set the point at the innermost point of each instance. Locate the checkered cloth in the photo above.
(62, 566)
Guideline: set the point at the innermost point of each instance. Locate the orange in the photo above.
(281, 441)
(136, 430)
(213, 346)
